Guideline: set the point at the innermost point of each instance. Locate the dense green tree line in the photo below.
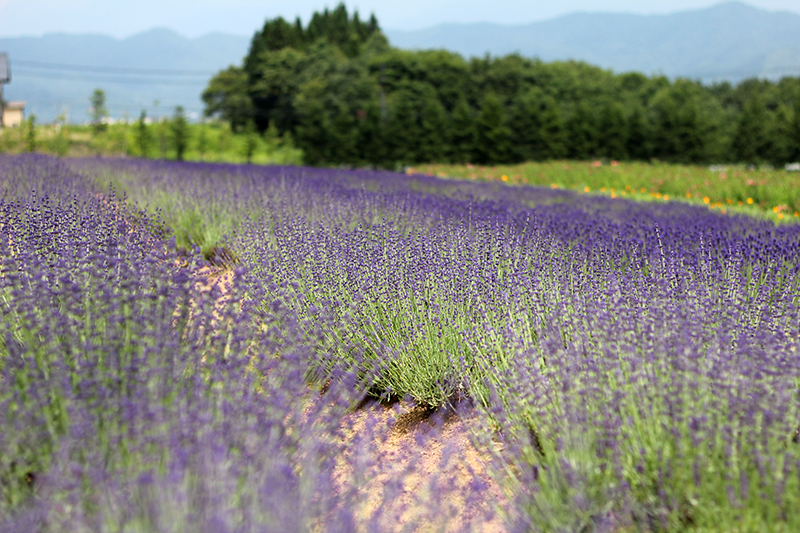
(347, 97)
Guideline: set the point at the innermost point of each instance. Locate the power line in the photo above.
(102, 79)
(113, 70)
(80, 104)
(167, 110)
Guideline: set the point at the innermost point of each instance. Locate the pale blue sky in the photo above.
(193, 18)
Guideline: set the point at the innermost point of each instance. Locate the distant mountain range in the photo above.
(57, 73)
(730, 41)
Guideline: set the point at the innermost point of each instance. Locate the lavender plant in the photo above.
(633, 366)
(130, 400)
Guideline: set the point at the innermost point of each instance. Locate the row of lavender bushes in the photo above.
(343, 266)
(131, 400)
(641, 361)
(632, 366)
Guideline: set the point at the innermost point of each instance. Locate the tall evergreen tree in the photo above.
(274, 85)
(402, 125)
(553, 133)
(372, 140)
(794, 152)
(751, 141)
(180, 132)
(462, 133)
(779, 137)
(614, 137)
(344, 124)
(666, 141)
(144, 138)
(637, 142)
(278, 60)
(30, 134)
(582, 133)
(433, 129)
(250, 141)
(525, 122)
(99, 111)
(682, 129)
(227, 97)
(314, 129)
(331, 108)
(287, 79)
(537, 130)
(696, 132)
(340, 32)
(493, 134)
(276, 35)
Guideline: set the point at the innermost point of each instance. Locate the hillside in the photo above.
(48, 72)
(730, 41)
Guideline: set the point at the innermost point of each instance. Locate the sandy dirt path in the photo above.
(408, 469)
(417, 471)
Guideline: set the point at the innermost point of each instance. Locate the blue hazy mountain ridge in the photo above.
(178, 69)
(729, 41)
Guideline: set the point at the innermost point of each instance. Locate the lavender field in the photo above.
(614, 366)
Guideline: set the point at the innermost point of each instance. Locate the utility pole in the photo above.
(5, 77)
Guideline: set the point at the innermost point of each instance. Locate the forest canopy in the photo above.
(348, 97)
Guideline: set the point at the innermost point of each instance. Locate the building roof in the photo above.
(16, 104)
(5, 71)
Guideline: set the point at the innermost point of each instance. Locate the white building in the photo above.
(13, 114)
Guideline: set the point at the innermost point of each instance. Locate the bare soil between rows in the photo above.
(419, 469)
(407, 467)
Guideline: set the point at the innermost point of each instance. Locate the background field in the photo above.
(206, 142)
(770, 193)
